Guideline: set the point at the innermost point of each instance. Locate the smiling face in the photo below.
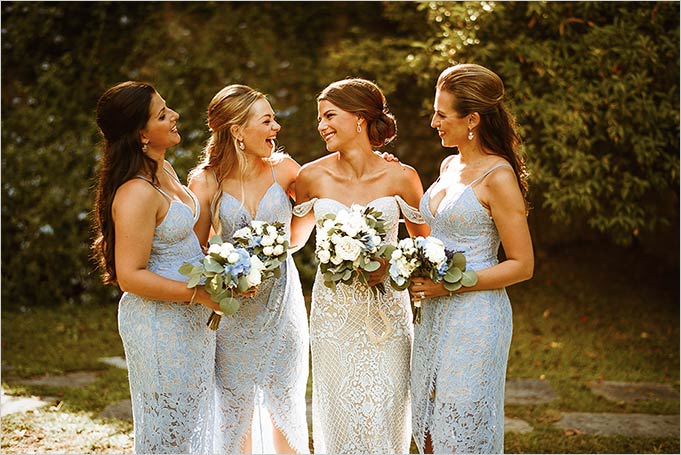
(260, 132)
(451, 127)
(336, 126)
(160, 132)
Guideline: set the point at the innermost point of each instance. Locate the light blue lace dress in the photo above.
(361, 347)
(461, 346)
(262, 353)
(169, 350)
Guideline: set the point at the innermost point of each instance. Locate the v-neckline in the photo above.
(257, 208)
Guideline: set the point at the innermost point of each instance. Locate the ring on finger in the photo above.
(422, 295)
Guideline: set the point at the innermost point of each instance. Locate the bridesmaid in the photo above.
(262, 353)
(461, 346)
(144, 222)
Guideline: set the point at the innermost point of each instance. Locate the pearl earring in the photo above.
(470, 135)
(144, 147)
(241, 145)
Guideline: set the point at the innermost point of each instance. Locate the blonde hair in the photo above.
(230, 106)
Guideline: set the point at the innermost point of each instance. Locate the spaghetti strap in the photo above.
(274, 175)
(155, 186)
(489, 172)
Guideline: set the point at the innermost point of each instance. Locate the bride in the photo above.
(361, 344)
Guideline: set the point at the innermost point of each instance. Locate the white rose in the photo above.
(324, 256)
(279, 249)
(244, 233)
(226, 249)
(434, 250)
(281, 239)
(335, 260)
(272, 230)
(267, 240)
(376, 239)
(232, 258)
(342, 217)
(397, 253)
(268, 250)
(348, 249)
(255, 274)
(214, 249)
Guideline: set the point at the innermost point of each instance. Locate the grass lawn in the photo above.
(589, 314)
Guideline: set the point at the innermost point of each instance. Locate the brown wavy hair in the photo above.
(478, 89)
(122, 111)
(365, 99)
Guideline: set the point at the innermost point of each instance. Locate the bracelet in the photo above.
(193, 296)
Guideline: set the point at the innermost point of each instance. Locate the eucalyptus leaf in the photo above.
(215, 240)
(459, 260)
(372, 266)
(453, 275)
(470, 278)
(212, 265)
(193, 281)
(186, 268)
(243, 284)
(229, 305)
(451, 286)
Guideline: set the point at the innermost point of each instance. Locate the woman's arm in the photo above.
(507, 207)
(301, 227)
(204, 186)
(411, 190)
(136, 209)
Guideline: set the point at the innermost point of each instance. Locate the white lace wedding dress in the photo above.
(361, 351)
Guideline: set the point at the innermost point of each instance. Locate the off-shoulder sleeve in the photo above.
(410, 213)
(304, 208)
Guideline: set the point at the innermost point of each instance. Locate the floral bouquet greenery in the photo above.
(228, 270)
(348, 244)
(267, 241)
(428, 257)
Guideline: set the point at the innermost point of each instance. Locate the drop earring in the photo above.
(470, 135)
(145, 146)
(241, 145)
(359, 127)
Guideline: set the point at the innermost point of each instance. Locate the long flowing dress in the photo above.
(461, 345)
(168, 348)
(262, 353)
(361, 347)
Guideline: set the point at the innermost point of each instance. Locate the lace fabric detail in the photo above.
(410, 213)
(169, 351)
(461, 346)
(262, 353)
(304, 208)
(360, 397)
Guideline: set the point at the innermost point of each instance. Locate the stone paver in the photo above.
(117, 361)
(528, 391)
(516, 426)
(119, 410)
(77, 379)
(11, 404)
(610, 424)
(630, 392)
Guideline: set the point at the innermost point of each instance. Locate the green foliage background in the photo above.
(594, 86)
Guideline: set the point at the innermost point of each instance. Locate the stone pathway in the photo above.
(609, 424)
(524, 392)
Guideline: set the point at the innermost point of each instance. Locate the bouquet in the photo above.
(233, 268)
(427, 257)
(348, 244)
(268, 242)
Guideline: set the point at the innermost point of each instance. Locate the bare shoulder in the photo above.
(135, 194)
(203, 180)
(503, 177)
(402, 173)
(446, 162)
(286, 165)
(318, 167)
